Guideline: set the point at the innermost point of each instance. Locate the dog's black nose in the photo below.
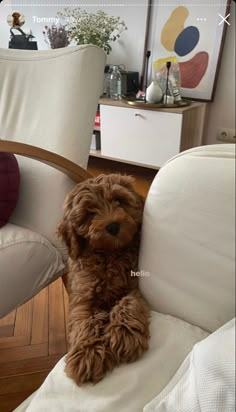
(113, 228)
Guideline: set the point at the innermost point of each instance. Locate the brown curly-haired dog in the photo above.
(108, 317)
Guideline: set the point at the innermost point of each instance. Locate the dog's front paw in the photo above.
(126, 344)
(128, 331)
(88, 330)
(89, 363)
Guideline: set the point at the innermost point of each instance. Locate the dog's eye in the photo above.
(119, 201)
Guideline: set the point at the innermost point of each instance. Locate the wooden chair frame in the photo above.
(60, 163)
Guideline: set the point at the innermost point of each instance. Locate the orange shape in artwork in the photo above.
(173, 27)
(193, 70)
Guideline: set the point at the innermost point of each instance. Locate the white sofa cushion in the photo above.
(188, 237)
(28, 262)
(129, 387)
(206, 380)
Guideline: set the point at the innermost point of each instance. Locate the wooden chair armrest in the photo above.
(60, 163)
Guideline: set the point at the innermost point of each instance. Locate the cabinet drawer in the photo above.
(142, 136)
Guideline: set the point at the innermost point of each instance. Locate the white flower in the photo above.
(94, 28)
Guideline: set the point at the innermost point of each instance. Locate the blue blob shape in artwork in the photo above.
(186, 40)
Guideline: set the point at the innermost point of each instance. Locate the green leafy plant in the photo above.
(56, 36)
(93, 28)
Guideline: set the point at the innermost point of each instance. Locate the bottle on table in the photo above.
(115, 84)
(106, 89)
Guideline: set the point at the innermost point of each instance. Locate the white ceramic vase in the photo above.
(154, 93)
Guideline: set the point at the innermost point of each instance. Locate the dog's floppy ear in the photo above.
(67, 232)
(73, 241)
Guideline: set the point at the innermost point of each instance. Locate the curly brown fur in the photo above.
(108, 317)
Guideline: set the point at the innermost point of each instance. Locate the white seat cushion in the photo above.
(206, 379)
(28, 262)
(188, 237)
(128, 388)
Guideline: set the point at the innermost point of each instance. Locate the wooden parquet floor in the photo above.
(34, 337)
(32, 340)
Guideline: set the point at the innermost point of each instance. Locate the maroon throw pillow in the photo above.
(9, 186)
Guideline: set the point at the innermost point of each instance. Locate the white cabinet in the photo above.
(140, 136)
(148, 137)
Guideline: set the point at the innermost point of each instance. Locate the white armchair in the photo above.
(187, 258)
(48, 100)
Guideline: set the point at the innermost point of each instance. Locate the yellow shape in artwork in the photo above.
(173, 27)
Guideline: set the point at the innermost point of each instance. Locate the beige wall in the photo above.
(222, 110)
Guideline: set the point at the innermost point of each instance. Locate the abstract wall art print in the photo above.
(194, 33)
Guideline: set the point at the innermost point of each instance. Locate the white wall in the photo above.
(128, 50)
(222, 110)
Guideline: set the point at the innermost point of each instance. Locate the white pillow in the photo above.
(28, 262)
(205, 381)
